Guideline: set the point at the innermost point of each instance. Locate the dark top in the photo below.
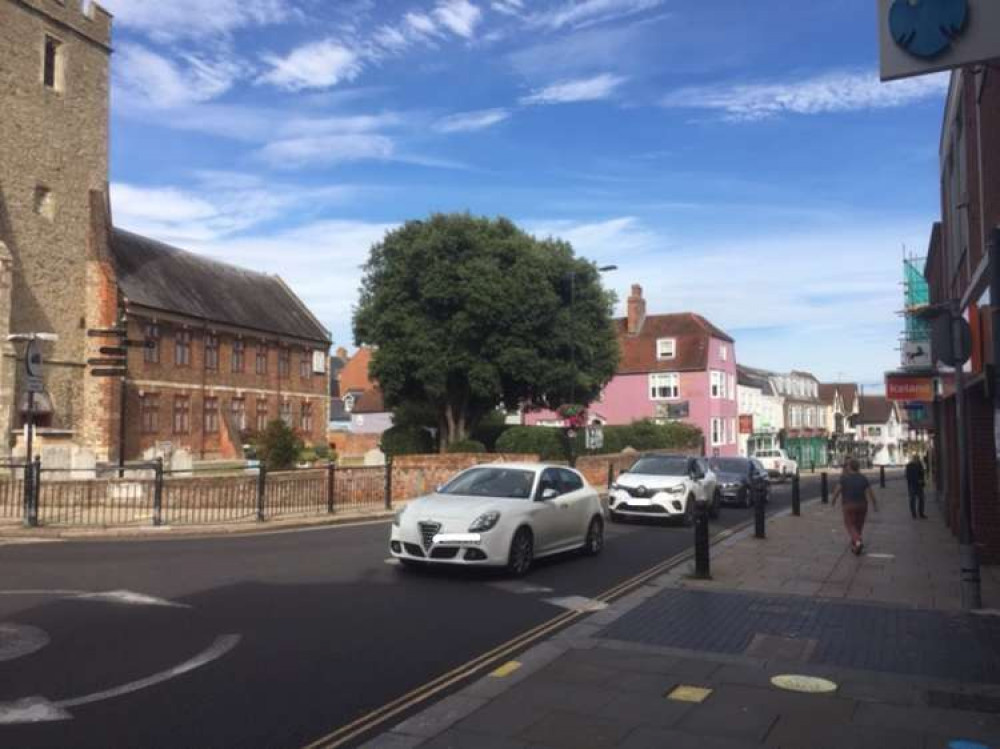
(914, 473)
(853, 487)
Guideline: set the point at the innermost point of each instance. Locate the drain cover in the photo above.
(807, 684)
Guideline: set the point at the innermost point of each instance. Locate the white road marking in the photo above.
(129, 598)
(17, 640)
(518, 588)
(881, 556)
(577, 603)
(391, 561)
(39, 592)
(39, 709)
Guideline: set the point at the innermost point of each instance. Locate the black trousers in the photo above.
(916, 499)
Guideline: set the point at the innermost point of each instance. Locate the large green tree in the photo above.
(466, 314)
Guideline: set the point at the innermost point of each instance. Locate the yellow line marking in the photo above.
(373, 719)
(506, 669)
(685, 693)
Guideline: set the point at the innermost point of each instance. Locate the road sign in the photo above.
(33, 359)
(746, 423)
(114, 351)
(106, 332)
(117, 372)
(595, 437)
(916, 354)
(951, 340)
(903, 387)
(34, 384)
(106, 362)
(139, 344)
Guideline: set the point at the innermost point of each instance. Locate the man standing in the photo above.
(915, 485)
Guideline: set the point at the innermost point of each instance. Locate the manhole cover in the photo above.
(17, 640)
(807, 684)
(770, 647)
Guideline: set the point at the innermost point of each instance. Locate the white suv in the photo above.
(777, 463)
(664, 486)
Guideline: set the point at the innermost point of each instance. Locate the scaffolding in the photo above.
(917, 297)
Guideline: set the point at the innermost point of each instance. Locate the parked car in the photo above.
(502, 515)
(664, 486)
(741, 480)
(777, 463)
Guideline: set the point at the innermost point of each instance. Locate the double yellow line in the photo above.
(379, 716)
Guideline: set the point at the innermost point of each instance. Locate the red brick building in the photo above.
(232, 351)
(958, 270)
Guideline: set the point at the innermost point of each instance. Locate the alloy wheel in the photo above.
(595, 538)
(521, 553)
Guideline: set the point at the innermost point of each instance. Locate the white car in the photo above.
(500, 515)
(665, 486)
(777, 463)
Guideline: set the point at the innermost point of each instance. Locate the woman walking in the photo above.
(856, 492)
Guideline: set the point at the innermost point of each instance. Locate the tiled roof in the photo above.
(875, 409)
(160, 277)
(848, 391)
(692, 332)
(754, 378)
(369, 402)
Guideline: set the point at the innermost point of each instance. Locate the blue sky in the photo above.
(739, 159)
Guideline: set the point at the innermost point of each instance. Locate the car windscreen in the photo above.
(661, 465)
(729, 465)
(503, 483)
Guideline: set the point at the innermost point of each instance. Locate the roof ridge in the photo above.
(191, 253)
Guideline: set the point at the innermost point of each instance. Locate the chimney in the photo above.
(636, 310)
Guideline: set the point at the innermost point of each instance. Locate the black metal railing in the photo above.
(147, 494)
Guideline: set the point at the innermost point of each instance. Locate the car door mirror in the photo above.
(548, 493)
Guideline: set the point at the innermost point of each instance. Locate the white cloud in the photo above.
(577, 13)
(460, 16)
(508, 7)
(170, 19)
(582, 89)
(420, 23)
(327, 149)
(464, 122)
(144, 78)
(316, 65)
(220, 204)
(838, 91)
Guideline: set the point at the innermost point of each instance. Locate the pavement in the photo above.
(691, 663)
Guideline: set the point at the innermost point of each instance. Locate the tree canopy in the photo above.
(466, 314)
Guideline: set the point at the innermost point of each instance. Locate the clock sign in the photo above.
(926, 28)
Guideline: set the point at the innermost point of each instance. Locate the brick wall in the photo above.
(351, 445)
(983, 479)
(261, 394)
(414, 475)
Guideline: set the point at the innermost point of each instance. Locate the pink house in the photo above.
(676, 367)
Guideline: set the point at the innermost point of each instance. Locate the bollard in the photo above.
(702, 563)
(881, 476)
(36, 490)
(29, 476)
(814, 466)
(824, 488)
(261, 491)
(758, 513)
(611, 475)
(388, 483)
(158, 493)
(796, 496)
(331, 478)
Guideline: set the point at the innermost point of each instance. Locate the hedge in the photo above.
(466, 446)
(550, 443)
(546, 442)
(407, 441)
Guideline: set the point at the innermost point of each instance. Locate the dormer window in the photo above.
(666, 348)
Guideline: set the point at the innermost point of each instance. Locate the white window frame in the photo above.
(669, 380)
(731, 386)
(724, 352)
(665, 343)
(717, 429)
(717, 384)
(732, 430)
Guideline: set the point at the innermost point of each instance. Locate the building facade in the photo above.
(958, 272)
(675, 367)
(806, 432)
(761, 411)
(842, 404)
(65, 269)
(880, 428)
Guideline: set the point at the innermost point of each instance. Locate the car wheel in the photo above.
(522, 553)
(594, 542)
(713, 511)
(688, 519)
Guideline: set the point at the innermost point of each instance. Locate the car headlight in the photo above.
(398, 516)
(484, 522)
(731, 485)
(674, 490)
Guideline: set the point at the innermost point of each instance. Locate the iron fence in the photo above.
(146, 494)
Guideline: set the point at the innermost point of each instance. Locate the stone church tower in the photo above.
(54, 91)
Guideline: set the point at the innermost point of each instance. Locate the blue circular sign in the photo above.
(927, 28)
